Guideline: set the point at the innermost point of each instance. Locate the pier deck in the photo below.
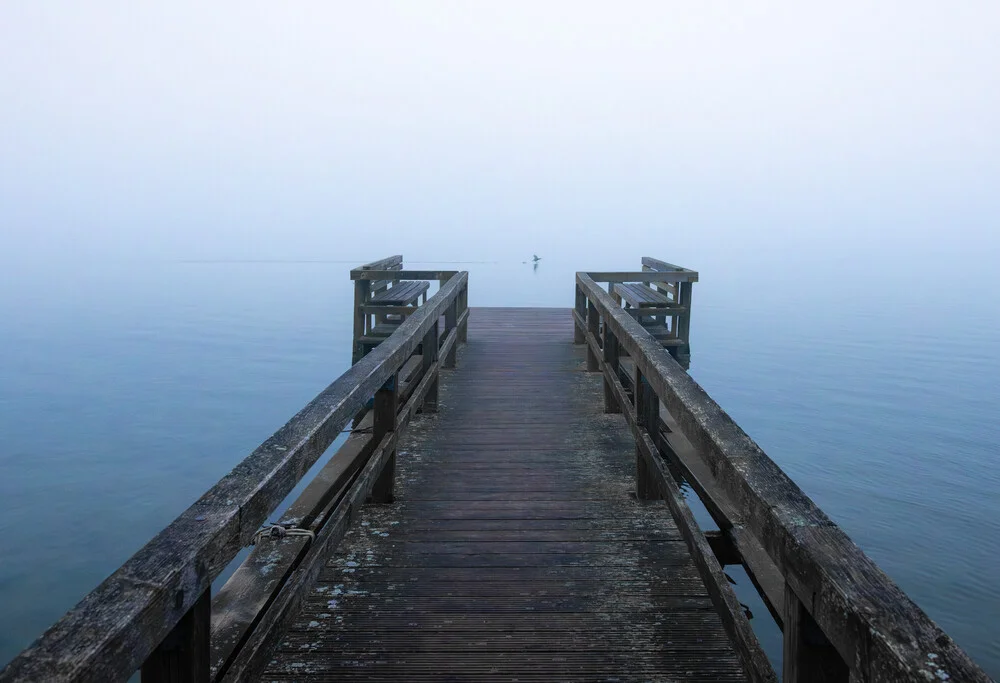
(516, 548)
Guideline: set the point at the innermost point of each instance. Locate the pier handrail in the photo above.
(158, 600)
(843, 618)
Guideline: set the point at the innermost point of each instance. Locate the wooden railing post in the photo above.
(383, 422)
(594, 327)
(808, 656)
(581, 309)
(463, 328)
(683, 353)
(450, 320)
(644, 400)
(429, 349)
(610, 366)
(184, 656)
(362, 288)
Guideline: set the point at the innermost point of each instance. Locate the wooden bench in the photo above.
(406, 293)
(640, 296)
(651, 309)
(391, 306)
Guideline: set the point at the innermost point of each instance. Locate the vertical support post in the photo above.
(361, 291)
(594, 327)
(384, 421)
(610, 367)
(581, 308)
(463, 328)
(429, 351)
(643, 398)
(450, 318)
(613, 293)
(184, 656)
(683, 353)
(808, 656)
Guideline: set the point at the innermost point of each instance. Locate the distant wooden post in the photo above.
(450, 320)
(644, 400)
(581, 309)
(384, 421)
(428, 350)
(808, 656)
(184, 655)
(594, 327)
(362, 290)
(610, 366)
(463, 328)
(683, 353)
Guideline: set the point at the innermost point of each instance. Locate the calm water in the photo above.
(126, 390)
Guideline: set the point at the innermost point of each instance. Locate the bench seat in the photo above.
(404, 293)
(638, 295)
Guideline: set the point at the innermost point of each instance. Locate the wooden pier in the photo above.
(508, 505)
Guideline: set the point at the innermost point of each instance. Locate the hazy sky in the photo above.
(254, 129)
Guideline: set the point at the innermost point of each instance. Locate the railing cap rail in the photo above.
(387, 263)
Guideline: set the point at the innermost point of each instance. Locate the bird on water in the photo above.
(535, 258)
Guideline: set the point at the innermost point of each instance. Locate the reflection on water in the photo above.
(124, 395)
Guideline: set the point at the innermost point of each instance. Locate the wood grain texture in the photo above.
(401, 294)
(516, 548)
(637, 295)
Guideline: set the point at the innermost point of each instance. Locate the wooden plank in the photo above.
(657, 310)
(864, 614)
(436, 586)
(112, 631)
(382, 264)
(676, 276)
(658, 265)
(408, 274)
(640, 295)
(389, 310)
(402, 294)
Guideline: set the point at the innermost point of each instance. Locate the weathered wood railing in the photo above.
(659, 298)
(155, 612)
(377, 311)
(843, 619)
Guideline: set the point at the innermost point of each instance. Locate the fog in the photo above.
(450, 131)
(167, 170)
